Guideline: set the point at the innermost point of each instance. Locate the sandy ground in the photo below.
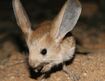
(84, 68)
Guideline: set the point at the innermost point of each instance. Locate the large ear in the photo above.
(66, 19)
(21, 17)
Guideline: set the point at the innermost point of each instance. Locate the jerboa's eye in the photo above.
(44, 51)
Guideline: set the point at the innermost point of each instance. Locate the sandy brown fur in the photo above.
(50, 36)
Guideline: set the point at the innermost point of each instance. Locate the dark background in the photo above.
(40, 10)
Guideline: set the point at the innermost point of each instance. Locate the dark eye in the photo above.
(44, 51)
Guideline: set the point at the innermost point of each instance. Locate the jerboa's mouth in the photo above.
(40, 67)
